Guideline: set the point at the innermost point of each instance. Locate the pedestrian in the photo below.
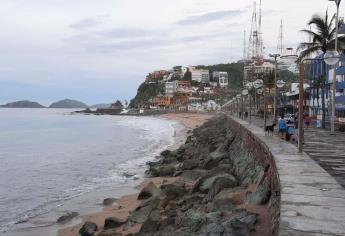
(289, 129)
(307, 121)
(245, 115)
(282, 127)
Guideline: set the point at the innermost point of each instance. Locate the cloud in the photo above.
(89, 22)
(125, 33)
(208, 17)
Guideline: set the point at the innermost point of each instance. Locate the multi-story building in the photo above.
(201, 76)
(251, 70)
(162, 101)
(221, 78)
(171, 87)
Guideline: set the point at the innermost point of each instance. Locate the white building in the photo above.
(221, 78)
(249, 70)
(171, 87)
(201, 76)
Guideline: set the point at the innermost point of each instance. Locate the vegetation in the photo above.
(145, 93)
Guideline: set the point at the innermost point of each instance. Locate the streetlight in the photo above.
(275, 56)
(332, 58)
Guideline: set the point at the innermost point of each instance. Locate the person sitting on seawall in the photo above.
(282, 127)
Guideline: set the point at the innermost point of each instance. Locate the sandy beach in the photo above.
(124, 205)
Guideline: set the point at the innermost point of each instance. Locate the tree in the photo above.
(323, 39)
(188, 75)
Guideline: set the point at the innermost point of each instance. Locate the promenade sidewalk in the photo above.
(328, 151)
(312, 201)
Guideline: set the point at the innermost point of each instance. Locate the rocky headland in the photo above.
(211, 185)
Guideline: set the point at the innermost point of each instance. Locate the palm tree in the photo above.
(323, 39)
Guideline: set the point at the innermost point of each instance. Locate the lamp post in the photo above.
(280, 84)
(337, 2)
(245, 92)
(275, 56)
(332, 58)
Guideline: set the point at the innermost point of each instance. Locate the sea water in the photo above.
(54, 161)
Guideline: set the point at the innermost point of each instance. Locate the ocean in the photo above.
(53, 161)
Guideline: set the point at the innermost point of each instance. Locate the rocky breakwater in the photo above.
(212, 185)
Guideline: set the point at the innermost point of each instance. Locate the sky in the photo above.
(98, 51)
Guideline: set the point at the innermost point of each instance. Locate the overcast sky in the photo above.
(100, 50)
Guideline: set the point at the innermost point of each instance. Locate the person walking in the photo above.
(307, 121)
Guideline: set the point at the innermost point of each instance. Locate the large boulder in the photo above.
(113, 222)
(260, 196)
(241, 223)
(174, 190)
(109, 201)
(152, 223)
(192, 221)
(190, 164)
(88, 229)
(213, 160)
(142, 214)
(67, 217)
(167, 170)
(148, 191)
(218, 185)
(193, 174)
(207, 183)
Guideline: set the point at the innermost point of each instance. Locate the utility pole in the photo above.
(275, 56)
(333, 118)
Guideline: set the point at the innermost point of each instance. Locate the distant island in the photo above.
(23, 104)
(101, 105)
(68, 103)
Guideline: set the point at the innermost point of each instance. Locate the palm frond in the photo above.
(316, 37)
(307, 52)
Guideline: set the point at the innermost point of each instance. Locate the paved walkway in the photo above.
(312, 202)
(328, 151)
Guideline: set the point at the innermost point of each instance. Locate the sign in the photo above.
(245, 92)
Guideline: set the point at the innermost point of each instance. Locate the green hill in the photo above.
(146, 91)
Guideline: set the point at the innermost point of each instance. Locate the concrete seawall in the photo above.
(305, 199)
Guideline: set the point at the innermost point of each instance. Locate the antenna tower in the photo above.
(244, 47)
(255, 50)
(280, 47)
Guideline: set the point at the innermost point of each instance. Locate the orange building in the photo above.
(162, 101)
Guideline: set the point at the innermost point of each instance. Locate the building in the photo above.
(156, 75)
(162, 101)
(171, 87)
(221, 78)
(314, 71)
(201, 76)
(250, 70)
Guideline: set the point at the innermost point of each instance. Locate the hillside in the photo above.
(68, 103)
(145, 93)
(23, 104)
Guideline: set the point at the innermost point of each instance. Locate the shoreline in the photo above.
(125, 204)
